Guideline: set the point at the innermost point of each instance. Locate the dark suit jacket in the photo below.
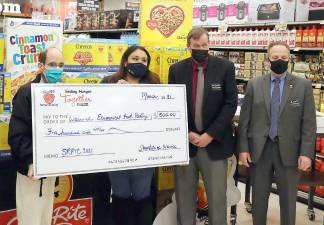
(219, 103)
(296, 125)
(20, 137)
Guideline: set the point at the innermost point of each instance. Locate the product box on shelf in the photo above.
(95, 21)
(316, 10)
(271, 11)
(236, 57)
(222, 54)
(84, 21)
(2, 51)
(4, 128)
(83, 77)
(215, 12)
(259, 65)
(132, 19)
(155, 53)
(165, 178)
(170, 56)
(302, 10)
(118, 19)
(247, 73)
(205, 13)
(5, 92)
(236, 11)
(258, 73)
(250, 56)
(261, 56)
(25, 39)
(104, 21)
(93, 55)
(70, 23)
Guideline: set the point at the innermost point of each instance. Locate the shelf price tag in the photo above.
(296, 49)
(318, 86)
(281, 26)
(222, 28)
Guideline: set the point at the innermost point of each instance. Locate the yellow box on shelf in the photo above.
(4, 128)
(93, 55)
(165, 23)
(169, 57)
(83, 78)
(165, 178)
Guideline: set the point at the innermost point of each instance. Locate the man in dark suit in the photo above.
(277, 134)
(211, 102)
(34, 197)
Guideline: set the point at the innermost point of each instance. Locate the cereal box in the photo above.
(4, 128)
(155, 64)
(24, 40)
(93, 55)
(5, 92)
(83, 78)
(169, 57)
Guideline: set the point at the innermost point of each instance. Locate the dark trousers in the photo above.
(268, 167)
(132, 202)
(132, 183)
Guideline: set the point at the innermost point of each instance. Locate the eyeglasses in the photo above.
(55, 65)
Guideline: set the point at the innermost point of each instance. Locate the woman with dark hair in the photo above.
(131, 201)
(133, 68)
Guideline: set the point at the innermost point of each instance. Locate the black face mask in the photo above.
(199, 55)
(138, 70)
(279, 66)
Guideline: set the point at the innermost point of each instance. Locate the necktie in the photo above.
(199, 99)
(275, 106)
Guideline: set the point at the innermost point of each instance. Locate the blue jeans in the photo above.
(132, 183)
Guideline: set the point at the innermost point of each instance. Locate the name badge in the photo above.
(294, 103)
(216, 87)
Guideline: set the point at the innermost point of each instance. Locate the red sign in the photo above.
(71, 212)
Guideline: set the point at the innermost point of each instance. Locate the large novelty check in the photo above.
(92, 128)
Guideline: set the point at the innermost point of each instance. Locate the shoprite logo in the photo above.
(66, 211)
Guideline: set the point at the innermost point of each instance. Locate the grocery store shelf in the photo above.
(296, 49)
(100, 31)
(240, 47)
(317, 85)
(22, 15)
(319, 155)
(318, 201)
(306, 49)
(242, 78)
(264, 24)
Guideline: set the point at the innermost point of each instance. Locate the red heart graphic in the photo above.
(49, 98)
(152, 24)
(168, 19)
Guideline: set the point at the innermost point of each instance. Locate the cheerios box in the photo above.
(93, 55)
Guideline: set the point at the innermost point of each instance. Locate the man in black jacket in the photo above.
(212, 102)
(34, 197)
